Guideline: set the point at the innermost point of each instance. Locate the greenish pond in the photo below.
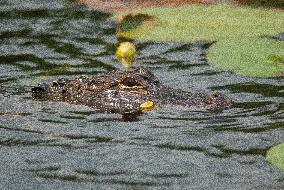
(51, 145)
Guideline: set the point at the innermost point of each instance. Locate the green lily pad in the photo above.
(201, 22)
(255, 57)
(276, 156)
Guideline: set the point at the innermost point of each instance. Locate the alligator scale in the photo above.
(124, 92)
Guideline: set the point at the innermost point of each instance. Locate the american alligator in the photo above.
(124, 92)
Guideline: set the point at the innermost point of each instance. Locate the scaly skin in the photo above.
(124, 92)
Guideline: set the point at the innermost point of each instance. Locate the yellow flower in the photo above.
(125, 53)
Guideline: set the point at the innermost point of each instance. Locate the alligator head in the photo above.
(124, 92)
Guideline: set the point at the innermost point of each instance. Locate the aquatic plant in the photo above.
(257, 57)
(200, 22)
(275, 156)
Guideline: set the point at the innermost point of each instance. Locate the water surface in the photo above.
(51, 145)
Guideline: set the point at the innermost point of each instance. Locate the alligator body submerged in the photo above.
(124, 92)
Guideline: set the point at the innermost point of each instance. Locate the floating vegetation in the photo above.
(255, 57)
(200, 22)
(275, 156)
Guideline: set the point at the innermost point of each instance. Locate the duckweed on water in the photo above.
(256, 57)
(200, 22)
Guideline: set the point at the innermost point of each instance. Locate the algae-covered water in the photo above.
(51, 145)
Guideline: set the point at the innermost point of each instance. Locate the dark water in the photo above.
(49, 145)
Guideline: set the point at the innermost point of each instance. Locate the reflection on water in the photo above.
(51, 145)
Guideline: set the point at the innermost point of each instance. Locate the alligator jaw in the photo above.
(215, 102)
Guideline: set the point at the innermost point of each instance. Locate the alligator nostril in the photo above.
(38, 89)
(55, 83)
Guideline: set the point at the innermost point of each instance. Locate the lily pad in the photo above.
(203, 22)
(276, 156)
(255, 57)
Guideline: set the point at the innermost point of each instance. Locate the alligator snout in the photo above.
(40, 91)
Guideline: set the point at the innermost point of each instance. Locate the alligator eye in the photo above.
(130, 82)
